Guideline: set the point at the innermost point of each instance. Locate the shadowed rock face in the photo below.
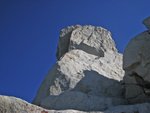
(86, 74)
(93, 90)
(136, 63)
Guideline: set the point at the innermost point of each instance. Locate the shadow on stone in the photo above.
(94, 92)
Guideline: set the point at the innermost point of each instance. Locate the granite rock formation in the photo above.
(136, 63)
(87, 74)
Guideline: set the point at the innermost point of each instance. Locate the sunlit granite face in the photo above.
(89, 68)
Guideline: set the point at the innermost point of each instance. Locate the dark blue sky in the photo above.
(29, 31)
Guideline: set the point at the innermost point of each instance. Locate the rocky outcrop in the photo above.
(10, 104)
(16, 105)
(136, 63)
(87, 74)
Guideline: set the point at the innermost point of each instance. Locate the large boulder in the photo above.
(136, 63)
(89, 63)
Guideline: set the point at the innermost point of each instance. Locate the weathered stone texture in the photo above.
(89, 65)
